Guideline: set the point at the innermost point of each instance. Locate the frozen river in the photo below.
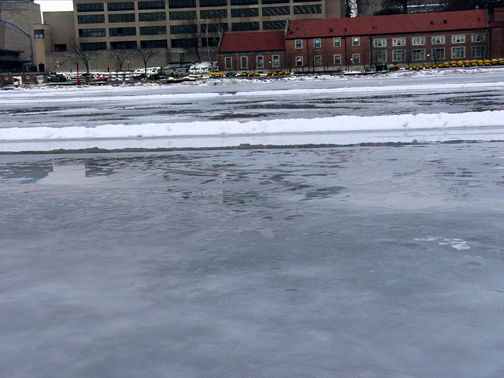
(290, 111)
(341, 262)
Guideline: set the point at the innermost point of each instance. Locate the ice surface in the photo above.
(369, 262)
(230, 112)
(344, 262)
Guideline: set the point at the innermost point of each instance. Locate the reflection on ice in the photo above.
(70, 174)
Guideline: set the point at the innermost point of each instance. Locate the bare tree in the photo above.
(193, 33)
(145, 55)
(84, 55)
(212, 32)
(120, 56)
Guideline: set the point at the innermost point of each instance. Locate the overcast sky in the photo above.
(55, 5)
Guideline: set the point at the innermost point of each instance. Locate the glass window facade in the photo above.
(245, 12)
(152, 30)
(121, 6)
(213, 14)
(91, 19)
(244, 26)
(154, 16)
(151, 5)
(121, 17)
(91, 7)
(90, 33)
(122, 32)
(274, 25)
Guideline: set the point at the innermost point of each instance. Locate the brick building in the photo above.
(262, 51)
(408, 39)
(367, 43)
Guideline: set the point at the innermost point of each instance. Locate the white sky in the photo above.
(55, 5)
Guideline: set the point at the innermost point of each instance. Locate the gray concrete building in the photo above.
(17, 18)
(179, 30)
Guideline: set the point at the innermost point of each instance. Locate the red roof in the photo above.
(253, 41)
(394, 24)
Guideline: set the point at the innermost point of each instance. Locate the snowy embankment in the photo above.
(337, 130)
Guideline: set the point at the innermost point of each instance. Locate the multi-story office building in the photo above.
(183, 29)
(371, 7)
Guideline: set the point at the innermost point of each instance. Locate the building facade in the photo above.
(369, 43)
(184, 29)
(366, 43)
(17, 18)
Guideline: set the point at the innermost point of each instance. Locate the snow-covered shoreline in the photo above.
(169, 132)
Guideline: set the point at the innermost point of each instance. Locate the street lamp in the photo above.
(58, 66)
(128, 65)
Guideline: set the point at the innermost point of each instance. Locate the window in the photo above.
(382, 42)
(184, 42)
(275, 1)
(275, 11)
(152, 30)
(184, 29)
(155, 16)
(438, 40)
(438, 54)
(123, 45)
(337, 42)
(121, 17)
(274, 25)
(459, 38)
(398, 42)
(244, 2)
(213, 3)
(356, 58)
(92, 7)
(182, 4)
(157, 44)
(299, 44)
(477, 52)
(90, 33)
(214, 28)
(316, 43)
(93, 46)
(39, 33)
(317, 60)
(380, 56)
(418, 41)
(398, 55)
(229, 63)
(260, 62)
(245, 12)
(418, 54)
(187, 15)
(213, 14)
(308, 9)
(244, 26)
(478, 38)
(276, 60)
(299, 61)
(337, 59)
(244, 62)
(151, 5)
(356, 41)
(91, 19)
(121, 6)
(458, 52)
(60, 47)
(121, 32)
